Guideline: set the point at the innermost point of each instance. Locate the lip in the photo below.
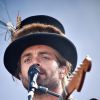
(42, 76)
(41, 73)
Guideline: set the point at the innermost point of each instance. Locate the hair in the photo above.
(65, 63)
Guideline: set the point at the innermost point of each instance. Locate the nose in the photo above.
(35, 61)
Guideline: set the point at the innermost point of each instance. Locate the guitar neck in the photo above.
(77, 78)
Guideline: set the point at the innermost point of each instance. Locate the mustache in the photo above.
(42, 71)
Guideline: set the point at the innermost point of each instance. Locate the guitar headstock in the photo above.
(78, 76)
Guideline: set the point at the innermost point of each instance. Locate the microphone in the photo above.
(33, 73)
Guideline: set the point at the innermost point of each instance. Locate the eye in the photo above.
(46, 57)
(28, 60)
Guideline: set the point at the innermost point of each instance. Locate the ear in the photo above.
(63, 71)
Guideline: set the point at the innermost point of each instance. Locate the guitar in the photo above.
(78, 76)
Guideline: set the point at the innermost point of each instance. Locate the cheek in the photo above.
(24, 71)
(52, 67)
(25, 68)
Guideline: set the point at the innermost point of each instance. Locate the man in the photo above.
(40, 40)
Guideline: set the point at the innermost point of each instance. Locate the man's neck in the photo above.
(45, 97)
(58, 90)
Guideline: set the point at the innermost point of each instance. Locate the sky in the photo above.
(81, 20)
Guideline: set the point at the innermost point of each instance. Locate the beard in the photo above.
(49, 81)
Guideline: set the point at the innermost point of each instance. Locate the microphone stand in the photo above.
(31, 94)
(45, 90)
(32, 89)
(42, 90)
(32, 86)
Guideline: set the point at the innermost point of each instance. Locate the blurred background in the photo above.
(81, 19)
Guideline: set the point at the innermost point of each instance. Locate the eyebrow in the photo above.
(40, 53)
(44, 52)
(26, 55)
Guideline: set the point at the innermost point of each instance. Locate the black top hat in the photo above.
(59, 42)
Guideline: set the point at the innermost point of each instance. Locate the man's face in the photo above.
(45, 57)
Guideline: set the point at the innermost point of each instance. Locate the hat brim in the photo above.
(60, 43)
